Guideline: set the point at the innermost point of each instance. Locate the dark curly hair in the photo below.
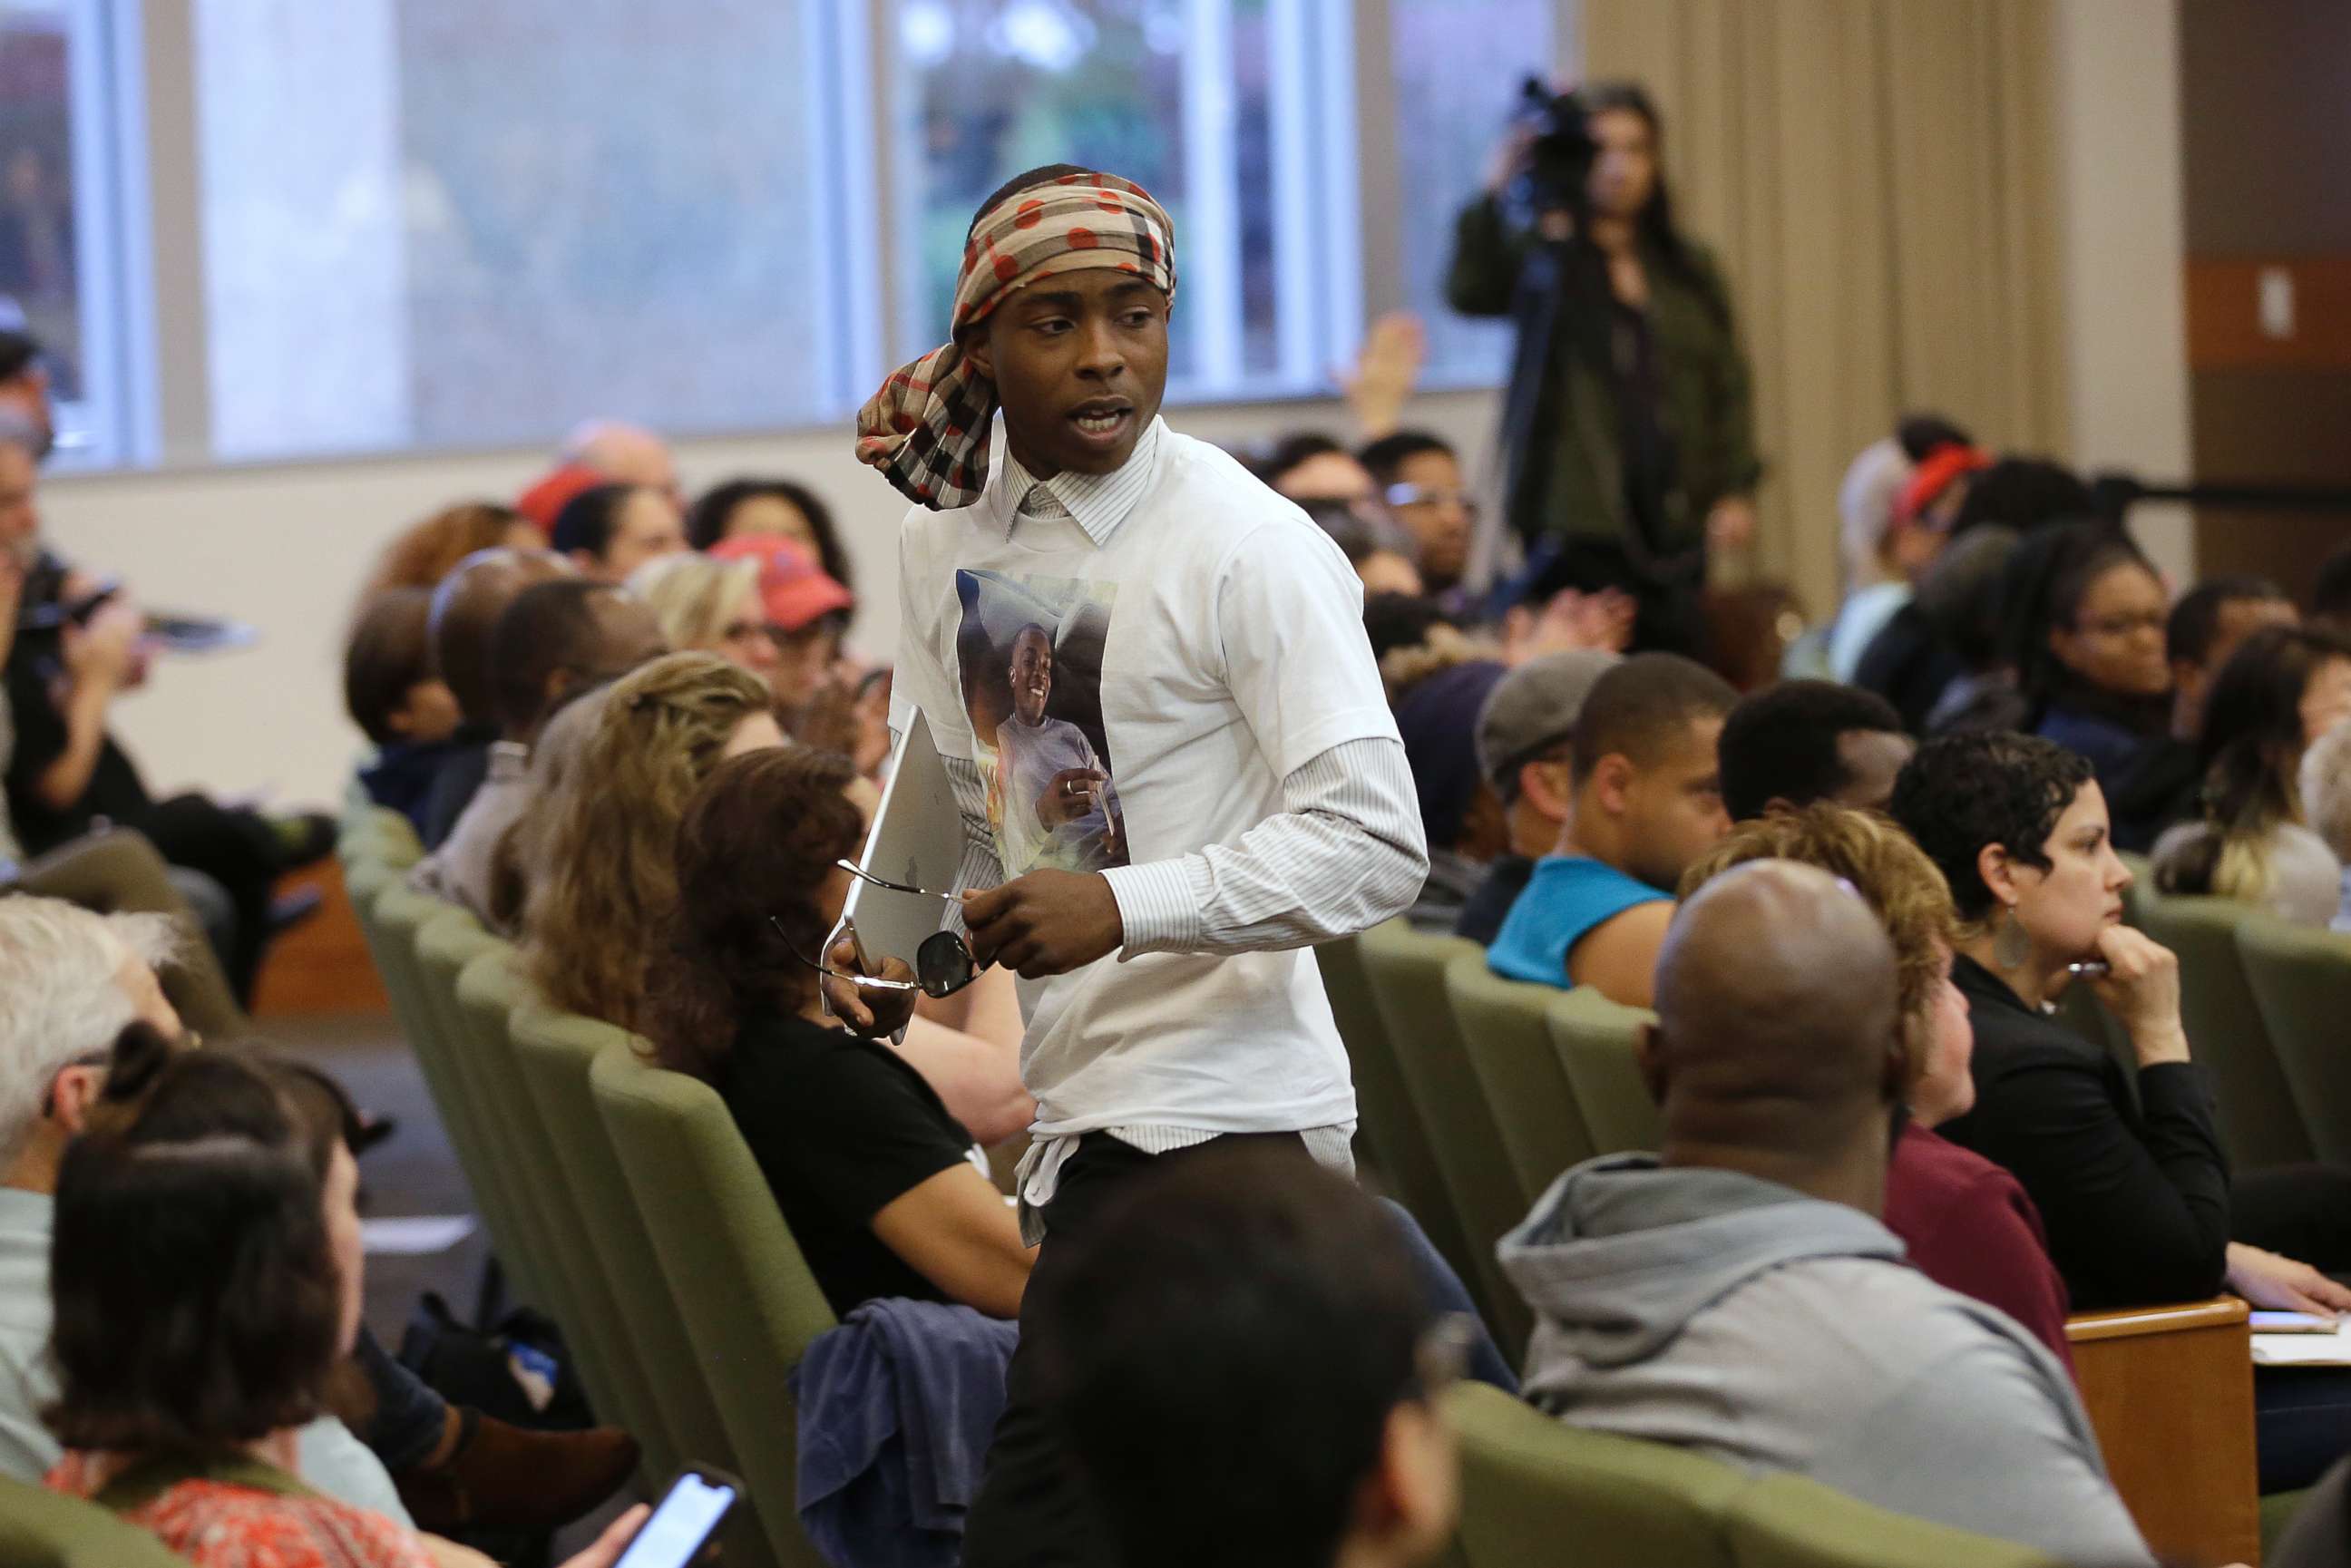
(197, 1300)
(755, 846)
(1964, 791)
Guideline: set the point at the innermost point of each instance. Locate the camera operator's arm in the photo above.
(1484, 278)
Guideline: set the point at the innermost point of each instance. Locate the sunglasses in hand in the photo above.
(943, 963)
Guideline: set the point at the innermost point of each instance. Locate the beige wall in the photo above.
(2119, 156)
(285, 549)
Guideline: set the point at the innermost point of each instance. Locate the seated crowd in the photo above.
(629, 737)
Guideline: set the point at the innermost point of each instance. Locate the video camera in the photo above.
(1559, 169)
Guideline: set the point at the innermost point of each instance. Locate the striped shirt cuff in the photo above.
(1158, 907)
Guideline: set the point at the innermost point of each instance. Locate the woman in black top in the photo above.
(879, 1185)
(2137, 1199)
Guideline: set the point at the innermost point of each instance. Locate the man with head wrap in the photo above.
(1264, 802)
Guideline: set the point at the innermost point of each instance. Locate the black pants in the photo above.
(237, 849)
(1032, 1510)
(2302, 1414)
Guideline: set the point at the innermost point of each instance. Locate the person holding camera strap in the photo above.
(1628, 429)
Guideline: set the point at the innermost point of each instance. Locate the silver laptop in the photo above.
(918, 840)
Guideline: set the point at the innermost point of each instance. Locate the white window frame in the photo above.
(1334, 170)
(95, 429)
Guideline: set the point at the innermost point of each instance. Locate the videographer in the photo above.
(1629, 430)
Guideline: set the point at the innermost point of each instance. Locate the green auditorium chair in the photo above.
(2259, 1124)
(1788, 1522)
(1530, 1483)
(42, 1528)
(1535, 1489)
(2142, 887)
(401, 914)
(751, 1307)
(488, 988)
(2301, 980)
(1597, 1042)
(389, 833)
(1508, 1042)
(1408, 974)
(557, 1052)
(1389, 1126)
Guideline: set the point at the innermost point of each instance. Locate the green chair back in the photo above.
(2259, 1122)
(1535, 1489)
(751, 1307)
(556, 1053)
(1407, 973)
(1788, 1522)
(488, 987)
(2301, 980)
(386, 832)
(1505, 1034)
(42, 1528)
(1598, 1042)
(2142, 885)
(401, 915)
(1388, 1125)
(1530, 1483)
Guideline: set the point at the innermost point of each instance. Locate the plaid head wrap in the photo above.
(927, 429)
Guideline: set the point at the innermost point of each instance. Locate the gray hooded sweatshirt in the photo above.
(1755, 1326)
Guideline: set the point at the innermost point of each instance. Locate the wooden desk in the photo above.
(2171, 1393)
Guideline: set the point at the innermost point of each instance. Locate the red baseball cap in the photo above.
(1942, 468)
(548, 494)
(793, 589)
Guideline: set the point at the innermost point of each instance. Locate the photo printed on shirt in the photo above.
(1028, 652)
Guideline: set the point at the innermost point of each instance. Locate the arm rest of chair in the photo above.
(2132, 1322)
(2169, 1392)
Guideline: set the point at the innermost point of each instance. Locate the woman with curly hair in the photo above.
(2135, 1188)
(606, 879)
(878, 1179)
(2282, 689)
(1965, 1222)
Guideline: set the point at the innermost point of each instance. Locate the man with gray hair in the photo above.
(70, 983)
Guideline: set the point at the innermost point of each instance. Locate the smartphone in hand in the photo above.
(684, 1528)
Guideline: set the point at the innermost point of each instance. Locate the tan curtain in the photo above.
(1877, 177)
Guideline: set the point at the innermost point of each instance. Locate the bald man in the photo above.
(465, 607)
(1737, 1295)
(624, 453)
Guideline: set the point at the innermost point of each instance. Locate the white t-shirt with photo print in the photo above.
(1235, 655)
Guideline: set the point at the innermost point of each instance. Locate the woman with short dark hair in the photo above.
(2134, 1188)
(206, 1269)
